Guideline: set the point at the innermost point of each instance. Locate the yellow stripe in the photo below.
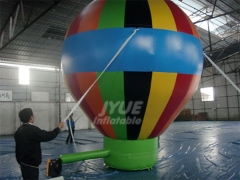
(162, 16)
(162, 86)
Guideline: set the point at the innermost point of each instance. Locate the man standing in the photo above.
(28, 148)
(71, 129)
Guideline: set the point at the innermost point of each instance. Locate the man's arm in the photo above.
(43, 136)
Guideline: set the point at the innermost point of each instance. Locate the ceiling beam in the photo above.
(210, 17)
(8, 19)
(27, 26)
(219, 41)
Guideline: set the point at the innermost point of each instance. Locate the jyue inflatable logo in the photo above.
(120, 107)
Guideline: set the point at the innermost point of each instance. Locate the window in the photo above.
(69, 98)
(24, 70)
(24, 75)
(207, 94)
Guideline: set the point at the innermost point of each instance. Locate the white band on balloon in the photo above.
(234, 85)
(83, 96)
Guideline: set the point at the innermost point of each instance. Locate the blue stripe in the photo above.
(150, 50)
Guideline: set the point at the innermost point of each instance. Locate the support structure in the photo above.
(14, 14)
(118, 154)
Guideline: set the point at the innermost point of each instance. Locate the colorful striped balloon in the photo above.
(150, 81)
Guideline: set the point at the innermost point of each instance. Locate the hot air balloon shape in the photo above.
(145, 87)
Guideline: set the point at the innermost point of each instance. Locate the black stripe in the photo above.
(137, 14)
(136, 91)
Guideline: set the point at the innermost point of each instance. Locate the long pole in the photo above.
(59, 94)
(224, 75)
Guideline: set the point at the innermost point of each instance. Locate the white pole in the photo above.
(234, 85)
(15, 20)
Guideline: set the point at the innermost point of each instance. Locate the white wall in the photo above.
(46, 116)
(46, 113)
(226, 105)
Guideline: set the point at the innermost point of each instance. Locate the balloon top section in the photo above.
(156, 14)
(145, 83)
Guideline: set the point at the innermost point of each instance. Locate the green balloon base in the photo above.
(121, 154)
(131, 154)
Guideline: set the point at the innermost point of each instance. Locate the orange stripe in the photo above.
(77, 94)
(94, 100)
(67, 33)
(68, 87)
(193, 86)
(91, 15)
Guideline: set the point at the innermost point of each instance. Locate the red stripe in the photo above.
(91, 15)
(180, 18)
(73, 85)
(87, 19)
(73, 29)
(94, 100)
(193, 86)
(181, 88)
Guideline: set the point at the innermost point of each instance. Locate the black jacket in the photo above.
(28, 148)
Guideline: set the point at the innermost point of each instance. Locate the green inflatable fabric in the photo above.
(121, 154)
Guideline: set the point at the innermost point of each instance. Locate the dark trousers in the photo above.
(29, 173)
(69, 135)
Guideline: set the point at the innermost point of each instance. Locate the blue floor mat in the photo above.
(203, 150)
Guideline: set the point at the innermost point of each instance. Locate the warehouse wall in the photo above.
(46, 113)
(226, 105)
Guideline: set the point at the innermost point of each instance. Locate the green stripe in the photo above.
(112, 15)
(111, 87)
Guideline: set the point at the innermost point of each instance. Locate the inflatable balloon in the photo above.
(146, 86)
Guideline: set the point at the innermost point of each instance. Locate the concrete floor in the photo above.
(201, 150)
